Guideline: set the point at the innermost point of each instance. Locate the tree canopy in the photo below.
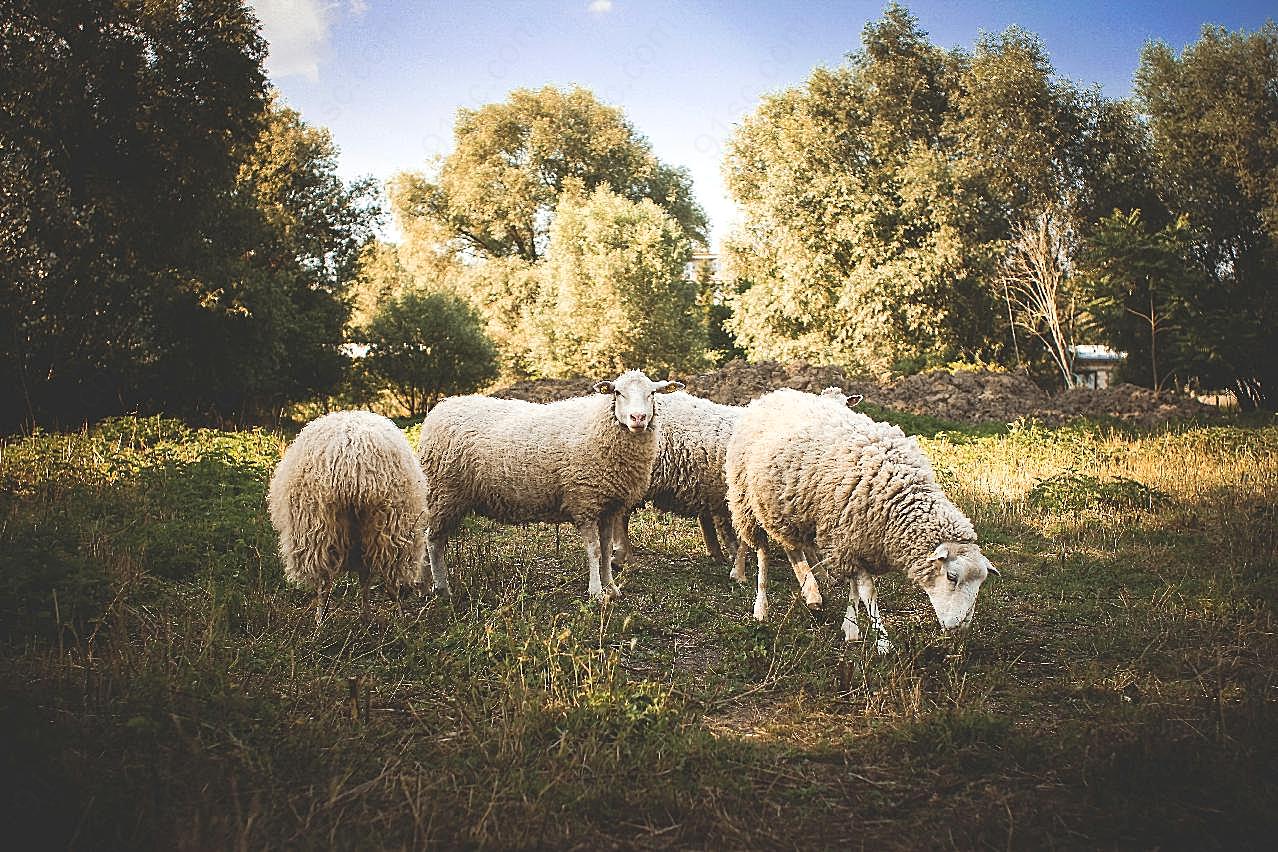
(170, 238)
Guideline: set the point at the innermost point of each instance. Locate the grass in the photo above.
(161, 687)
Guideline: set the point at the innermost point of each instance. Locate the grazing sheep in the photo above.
(804, 469)
(349, 494)
(585, 460)
(687, 476)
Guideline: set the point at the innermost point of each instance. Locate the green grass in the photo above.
(162, 687)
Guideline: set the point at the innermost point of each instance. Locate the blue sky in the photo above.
(387, 78)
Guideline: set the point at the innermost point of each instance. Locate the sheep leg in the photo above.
(708, 533)
(322, 592)
(738, 572)
(851, 630)
(608, 530)
(807, 581)
(761, 595)
(622, 549)
(865, 592)
(723, 526)
(435, 546)
(590, 536)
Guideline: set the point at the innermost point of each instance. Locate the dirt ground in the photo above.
(963, 396)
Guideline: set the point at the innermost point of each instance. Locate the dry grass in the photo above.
(162, 688)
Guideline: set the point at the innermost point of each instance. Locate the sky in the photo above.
(387, 78)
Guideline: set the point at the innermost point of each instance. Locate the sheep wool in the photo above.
(584, 460)
(804, 468)
(687, 476)
(349, 494)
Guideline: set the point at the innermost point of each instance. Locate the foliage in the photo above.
(616, 295)
(162, 218)
(878, 195)
(1212, 113)
(1139, 287)
(164, 686)
(496, 193)
(423, 345)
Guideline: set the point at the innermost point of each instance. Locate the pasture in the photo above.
(160, 686)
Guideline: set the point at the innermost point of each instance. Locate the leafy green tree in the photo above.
(170, 237)
(880, 196)
(1139, 291)
(423, 345)
(616, 294)
(120, 127)
(495, 194)
(1213, 116)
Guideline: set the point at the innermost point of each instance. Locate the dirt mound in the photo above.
(964, 396)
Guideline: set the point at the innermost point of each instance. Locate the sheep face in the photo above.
(957, 571)
(632, 398)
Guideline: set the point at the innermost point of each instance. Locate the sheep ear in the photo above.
(604, 387)
(855, 399)
(942, 552)
(667, 387)
(995, 571)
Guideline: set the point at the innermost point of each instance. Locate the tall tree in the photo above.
(880, 196)
(1213, 114)
(120, 124)
(616, 294)
(495, 194)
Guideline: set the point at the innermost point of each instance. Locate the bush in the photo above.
(423, 345)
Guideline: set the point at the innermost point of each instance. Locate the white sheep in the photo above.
(349, 494)
(804, 469)
(585, 460)
(687, 476)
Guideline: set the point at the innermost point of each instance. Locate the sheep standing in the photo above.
(584, 460)
(803, 468)
(687, 476)
(349, 494)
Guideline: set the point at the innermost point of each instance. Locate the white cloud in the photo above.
(297, 31)
(599, 7)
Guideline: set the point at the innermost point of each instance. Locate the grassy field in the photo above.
(162, 687)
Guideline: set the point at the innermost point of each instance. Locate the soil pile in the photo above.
(963, 396)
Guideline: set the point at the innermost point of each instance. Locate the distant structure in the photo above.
(701, 261)
(1094, 365)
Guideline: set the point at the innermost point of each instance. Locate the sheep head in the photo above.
(956, 573)
(632, 398)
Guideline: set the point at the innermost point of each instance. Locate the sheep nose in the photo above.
(639, 419)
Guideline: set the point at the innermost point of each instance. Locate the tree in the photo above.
(423, 345)
(879, 196)
(171, 238)
(120, 132)
(1036, 284)
(1213, 117)
(495, 194)
(1139, 286)
(616, 295)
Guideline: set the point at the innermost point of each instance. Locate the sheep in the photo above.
(584, 460)
(804, 469)
(687, 476)
(349, 493)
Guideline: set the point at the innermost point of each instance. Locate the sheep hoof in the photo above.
(884, 646)
(851, 632)
(614, 591)
(739, 576)
(760, 611)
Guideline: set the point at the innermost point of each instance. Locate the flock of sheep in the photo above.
(830, 485)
